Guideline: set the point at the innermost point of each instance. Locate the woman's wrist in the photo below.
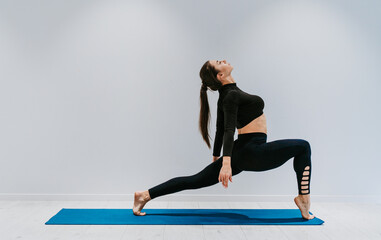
(226, 160)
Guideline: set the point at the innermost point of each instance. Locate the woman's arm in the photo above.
(218, 140)
(230, 109)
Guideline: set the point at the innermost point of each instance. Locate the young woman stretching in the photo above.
(250, 152)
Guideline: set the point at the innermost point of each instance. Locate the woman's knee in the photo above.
(307, 146)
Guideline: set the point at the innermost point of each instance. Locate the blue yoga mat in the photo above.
(70, 216)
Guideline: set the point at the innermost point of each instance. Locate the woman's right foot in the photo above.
(303, 203)
(140, 199)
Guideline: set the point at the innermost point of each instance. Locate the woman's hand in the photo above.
(215, 158)
(225, 175)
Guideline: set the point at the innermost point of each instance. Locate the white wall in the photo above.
(102, 97)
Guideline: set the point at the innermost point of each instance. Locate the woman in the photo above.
(250, 152)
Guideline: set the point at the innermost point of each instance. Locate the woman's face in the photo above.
(222, 66)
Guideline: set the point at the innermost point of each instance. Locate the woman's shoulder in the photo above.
(232, 96)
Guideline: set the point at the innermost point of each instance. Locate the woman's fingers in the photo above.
(225, 182)
(221, 178)
(224, 179)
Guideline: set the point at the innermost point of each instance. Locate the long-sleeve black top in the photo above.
(235, 108)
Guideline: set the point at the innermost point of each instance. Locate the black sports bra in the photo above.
(235, 108)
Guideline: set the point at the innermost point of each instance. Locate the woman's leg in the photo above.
(270, 155)
(206, 177)
(262, 156)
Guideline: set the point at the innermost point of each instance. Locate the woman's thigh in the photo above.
(269, 155)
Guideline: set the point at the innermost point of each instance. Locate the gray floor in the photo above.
(25, 220)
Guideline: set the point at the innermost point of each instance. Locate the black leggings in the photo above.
(251, 152)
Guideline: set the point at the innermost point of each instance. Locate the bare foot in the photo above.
(141, 198)
(303, 204)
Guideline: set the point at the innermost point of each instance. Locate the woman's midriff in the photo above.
(257, 125)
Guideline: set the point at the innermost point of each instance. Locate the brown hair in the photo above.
(208, 75)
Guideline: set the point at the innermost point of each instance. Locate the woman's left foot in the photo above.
(140, 199)
(303, 204)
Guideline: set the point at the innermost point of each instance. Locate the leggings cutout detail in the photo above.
(305, 186)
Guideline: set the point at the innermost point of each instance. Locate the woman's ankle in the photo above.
(147, 196)
(305, 197)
